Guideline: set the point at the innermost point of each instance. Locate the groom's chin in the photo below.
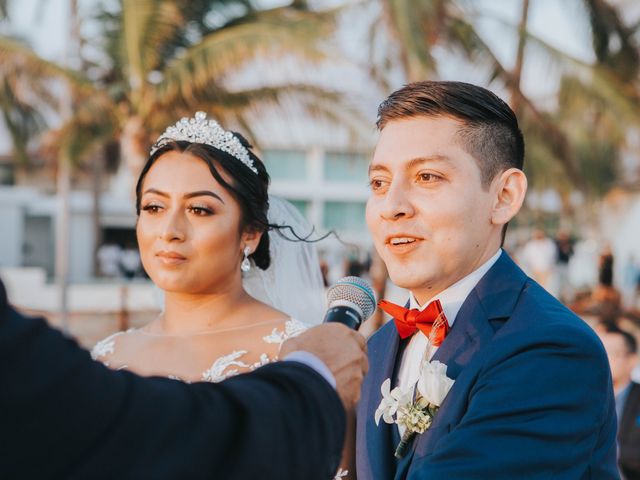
(403, 278)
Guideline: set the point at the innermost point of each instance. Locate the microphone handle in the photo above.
(345, 315)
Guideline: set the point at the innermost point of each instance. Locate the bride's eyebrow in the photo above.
(202, 193)
(199, 193)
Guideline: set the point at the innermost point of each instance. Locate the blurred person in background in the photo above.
(606, 299)
(538, 257)
(564, 245)
(109, 260)
(129, 262)
(622, 350)
(631, 282)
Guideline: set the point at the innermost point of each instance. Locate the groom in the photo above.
(532, 397)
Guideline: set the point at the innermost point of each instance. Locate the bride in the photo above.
(210, 237)
(202, 230)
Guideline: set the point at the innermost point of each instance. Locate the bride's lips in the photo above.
(171, 258)
(402, 243)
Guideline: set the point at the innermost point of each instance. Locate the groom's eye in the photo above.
(426, 177)
(376, 184)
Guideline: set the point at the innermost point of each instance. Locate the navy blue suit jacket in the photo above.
(532, 397)
(62, 415)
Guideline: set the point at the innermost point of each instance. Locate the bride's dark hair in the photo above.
(249, 189)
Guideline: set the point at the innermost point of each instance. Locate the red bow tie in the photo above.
(409, 321)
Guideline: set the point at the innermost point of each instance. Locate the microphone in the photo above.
(351, 301)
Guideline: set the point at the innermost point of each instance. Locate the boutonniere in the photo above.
(414, 412)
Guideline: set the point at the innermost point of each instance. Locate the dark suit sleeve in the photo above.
(63, 415)
(541, 407)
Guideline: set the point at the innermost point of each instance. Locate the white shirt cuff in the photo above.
(310, 360)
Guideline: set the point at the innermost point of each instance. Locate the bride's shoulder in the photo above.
(105, 349)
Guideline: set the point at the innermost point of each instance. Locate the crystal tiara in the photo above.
(208, 132)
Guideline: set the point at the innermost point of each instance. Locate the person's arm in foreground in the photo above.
(65, 416)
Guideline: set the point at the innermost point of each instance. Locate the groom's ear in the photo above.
(510, 188)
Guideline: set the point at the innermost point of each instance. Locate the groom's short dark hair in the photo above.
(489, 130)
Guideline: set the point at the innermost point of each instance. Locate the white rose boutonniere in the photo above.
(433, 383)
(414, 415)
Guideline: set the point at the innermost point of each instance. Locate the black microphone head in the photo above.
(353, 291)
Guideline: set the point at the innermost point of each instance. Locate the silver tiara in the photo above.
(208, 132)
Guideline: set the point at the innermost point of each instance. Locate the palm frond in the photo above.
(614, 42)
(93, 124)
(29, 86)
(204, 66)
(15, 55)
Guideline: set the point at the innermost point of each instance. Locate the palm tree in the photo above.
(162, 59)
(165, 61)
(574, 146)
(165, 58)
(423, 26)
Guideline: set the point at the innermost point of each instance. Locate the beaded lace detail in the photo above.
(106, 346)
(222, 367)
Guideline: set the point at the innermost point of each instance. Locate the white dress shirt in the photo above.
(451, 299)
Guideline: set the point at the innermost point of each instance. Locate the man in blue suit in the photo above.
(532, 395)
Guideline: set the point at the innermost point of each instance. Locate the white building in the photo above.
(329, 188)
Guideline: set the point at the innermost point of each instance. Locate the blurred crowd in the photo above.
(115, 261)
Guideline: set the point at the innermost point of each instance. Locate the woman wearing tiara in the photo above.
(204, 217)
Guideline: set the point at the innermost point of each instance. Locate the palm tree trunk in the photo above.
(63, 215)
(62, 240)
(516, 97)
(133, 153)
(96, 211)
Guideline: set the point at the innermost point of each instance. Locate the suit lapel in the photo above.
(493, 298)
(383, 353)
(463, 341)
(469, 333)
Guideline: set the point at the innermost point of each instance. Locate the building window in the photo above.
(286, 164)
(7, 174)
(346, 167)
(344, 216)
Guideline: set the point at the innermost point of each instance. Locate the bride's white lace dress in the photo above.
(222, 367)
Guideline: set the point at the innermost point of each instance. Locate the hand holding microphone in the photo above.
(336, 342)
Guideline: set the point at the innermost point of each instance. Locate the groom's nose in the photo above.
(397, 203)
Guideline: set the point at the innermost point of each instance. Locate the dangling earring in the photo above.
(245, 266)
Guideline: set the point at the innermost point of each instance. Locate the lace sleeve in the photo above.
(105, 347)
